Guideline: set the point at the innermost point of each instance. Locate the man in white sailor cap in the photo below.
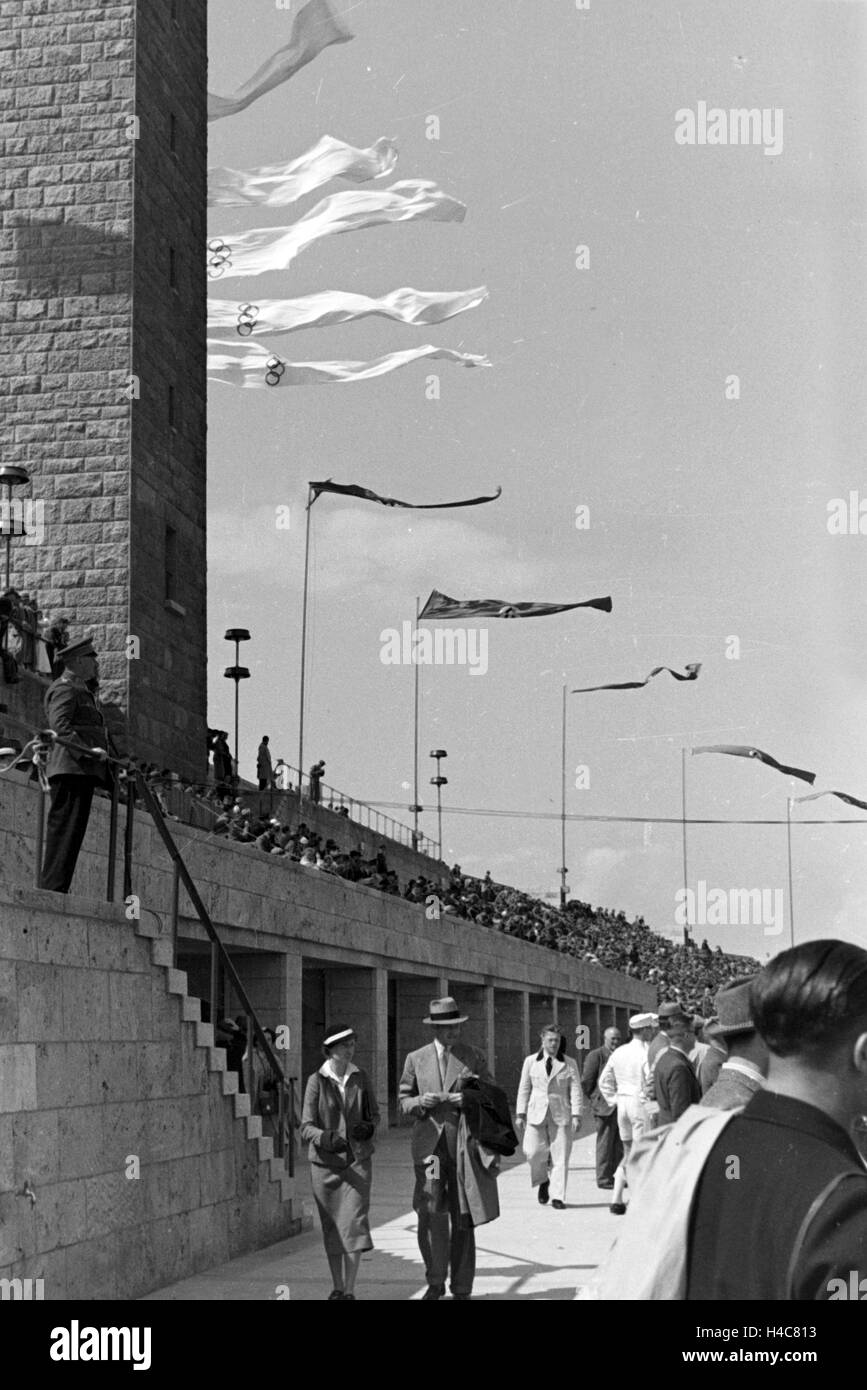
(622, 1084)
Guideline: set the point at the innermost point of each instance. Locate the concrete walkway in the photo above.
(530, 1252)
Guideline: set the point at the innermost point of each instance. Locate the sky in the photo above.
(610, 388)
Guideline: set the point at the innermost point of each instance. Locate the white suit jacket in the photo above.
(559, 1094)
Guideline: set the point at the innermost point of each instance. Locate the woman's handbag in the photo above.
(364, 1129)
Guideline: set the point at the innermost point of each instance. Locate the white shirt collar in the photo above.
(746, 1068)
(327, 1070)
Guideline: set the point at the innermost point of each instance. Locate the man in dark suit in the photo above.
(73, 714)
(743, 1072)
(609, 1145)
(675, 1082)
(427, 1093)
(800, 1180)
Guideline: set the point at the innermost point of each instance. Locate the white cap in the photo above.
(641, 1021)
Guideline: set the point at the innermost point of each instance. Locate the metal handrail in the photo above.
(359, 811)
(136, 780)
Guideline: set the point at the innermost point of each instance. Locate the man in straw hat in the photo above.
(622, 1083)
(446, 1241)
(73, 773)
(746, 1066)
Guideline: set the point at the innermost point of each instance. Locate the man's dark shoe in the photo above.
(543, 1193)
(617, 1209)
(335, 1295)
(558, 1206)
(606, 1182)
(434, 1291)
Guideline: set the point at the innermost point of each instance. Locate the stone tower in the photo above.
(102, 345)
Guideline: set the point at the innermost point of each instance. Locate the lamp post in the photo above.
(439, 782)
(237, 674)
(11, 475)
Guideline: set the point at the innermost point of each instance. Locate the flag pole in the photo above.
(415, 805)
(310, 500)
(563, 813)
(789, 849)
(683, 835)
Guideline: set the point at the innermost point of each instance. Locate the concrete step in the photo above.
(162, 952)
(191, 1010)
(146, 926)
(191, 1007)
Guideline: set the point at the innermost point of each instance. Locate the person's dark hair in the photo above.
(811, 998)
(554, 1028)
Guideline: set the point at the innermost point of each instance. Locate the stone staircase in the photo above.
(104, 1056)
(162, 956)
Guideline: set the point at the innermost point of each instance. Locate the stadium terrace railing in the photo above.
(136, 784)
(327, 797)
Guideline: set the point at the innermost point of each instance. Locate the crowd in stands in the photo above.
(28, 641)
(596, 935)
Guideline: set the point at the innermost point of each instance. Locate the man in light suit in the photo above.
(609, 1146)
(446, 1240)
(548, 1110)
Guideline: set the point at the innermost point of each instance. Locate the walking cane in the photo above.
(112, 842)
(128, 831)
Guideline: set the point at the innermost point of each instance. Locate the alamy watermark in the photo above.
(23, 517)
(452, 646)
(22, 1290)
(711, 125)
(733, 907)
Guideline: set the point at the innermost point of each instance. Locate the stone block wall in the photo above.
(100, 1067)
(66, 210)
(86, 209)
(167, 697)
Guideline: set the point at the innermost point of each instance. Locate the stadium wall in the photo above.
(312, 948)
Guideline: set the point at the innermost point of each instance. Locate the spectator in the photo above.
(223, 768)
(264, 770)
(316, 774)
(56, 637)
(743, 1072)
(801, 1178)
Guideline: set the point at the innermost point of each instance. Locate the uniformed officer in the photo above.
(73, 714)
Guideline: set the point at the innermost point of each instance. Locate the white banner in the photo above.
(252, 365)
(274, 248)
(229, 320)
(277, 185)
